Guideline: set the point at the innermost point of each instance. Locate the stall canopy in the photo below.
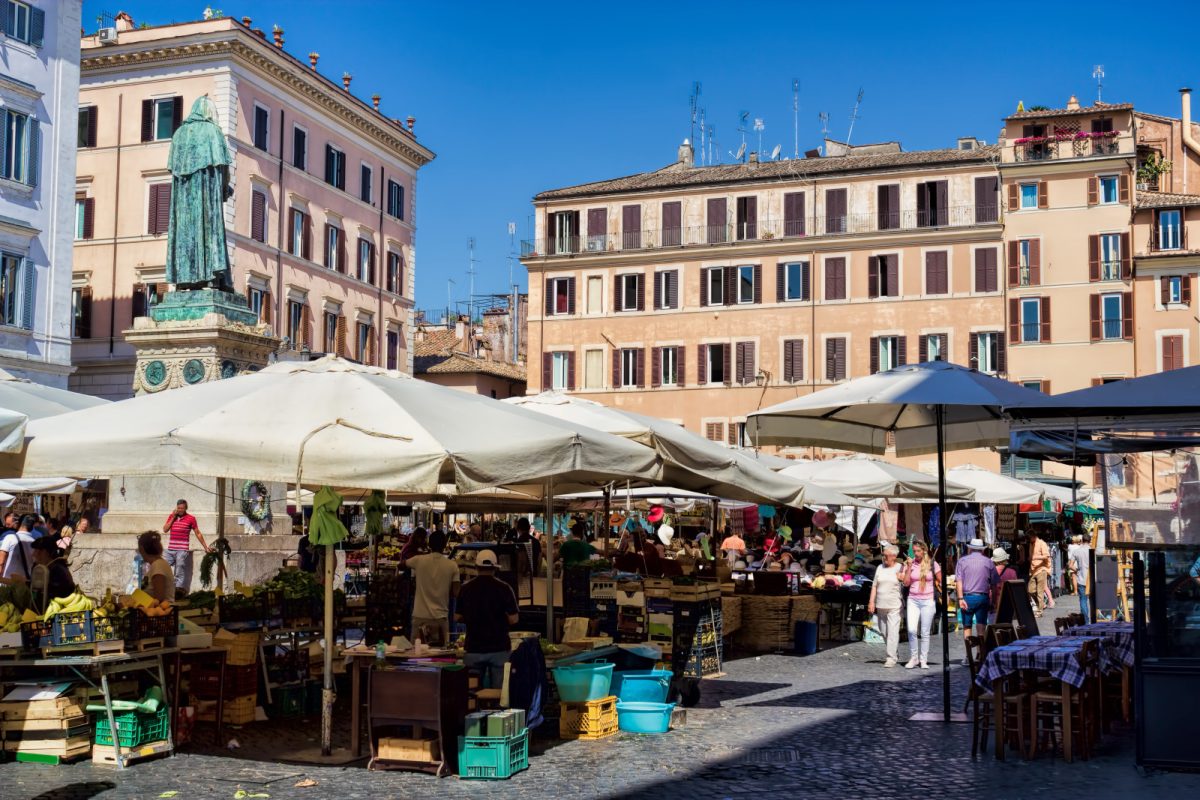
(40, 485)
(647, 496)
(992, 488)
(22, 400)
(689, 461)
(865, 477)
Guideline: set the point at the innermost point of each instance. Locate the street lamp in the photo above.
(762, 378)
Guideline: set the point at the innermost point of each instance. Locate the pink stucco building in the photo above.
(321, 225)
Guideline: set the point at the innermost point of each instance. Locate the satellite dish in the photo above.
(741, 152)
(775, 152)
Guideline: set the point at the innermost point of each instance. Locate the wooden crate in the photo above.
(731, 614)
(425, 749)
(107, 754)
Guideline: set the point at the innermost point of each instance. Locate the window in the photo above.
(714, 431)
(296, 235)
(747, 287)
(335, 167)
(835, 210)
(888, 206)
(258, 216)
(1172, 352)
(883, 276)
(933, 198)
(835, 279)
(986, 355)
(715, 363)
(747, 218)
(987, 199)
(23, 22)
(393, 349)
(257, 299)
(81, 312)
(1026, 252)
(366, 261)
(793, 214)
(1108, 189)
(933, 347)
(332, 324)
(1110, 256)
(365, 192)
(21, 140)
(333, 247)
(364, 343)
(1031, 319)
(1029, 195)
(395, 200)
(395, 273)
(560, 296)
(1172, 290)
(262, 126)
(595, 290)
(87, 126)
(1169, 229)
(164, 117)
(888, 352)
(795, 281)
(666, 289)
(668, 367)
(835, 359)
(631, 362)
(715, 281)
(631, 227)
(559, 368)
(718, 221)
(1110, 311)
(937, 272)
(985, 270)
(296, 323)
(1018, 467)
(299, 148)
(793, 360)
(1119, 469)
(158, 217)
(629, 287)
(84, 217)
(593, 369)
(746, 365)
(563, 228)
(11, 310)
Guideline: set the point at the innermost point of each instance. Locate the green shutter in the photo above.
(29, 294)
(33, 156)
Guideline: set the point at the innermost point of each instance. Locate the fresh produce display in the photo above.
(156, 609)
(77, 601)
(202, 599)
(294, 583)
(10, 618)
(220, 551)
(18, 595)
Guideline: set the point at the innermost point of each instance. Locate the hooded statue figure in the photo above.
(199, 163)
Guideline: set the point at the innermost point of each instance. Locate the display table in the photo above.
(86, 666)
(361, 659)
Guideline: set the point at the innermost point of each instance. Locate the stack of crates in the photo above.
(241, 679)
(592, 719)
(495, 745)
(707, 647)
(389, 608)
(631, 612)
(660, 618)
(603, 605)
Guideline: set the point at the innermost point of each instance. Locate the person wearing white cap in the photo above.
(974, 577)
(885, 601)
(1005, 573)
(488, 607)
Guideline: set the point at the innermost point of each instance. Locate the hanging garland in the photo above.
(256, 501)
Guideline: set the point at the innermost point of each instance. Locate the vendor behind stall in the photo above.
(576, 550)
(437, 581)
(159, 580)
(59, 582)
(488, 607)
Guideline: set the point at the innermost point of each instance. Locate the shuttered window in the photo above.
(792, 282)
(672, 224)
(631, 227)
(746, 363)
(665, 366)
(714, 431)
(835, 210)
(395, 273)
(158, 220)
(262, 128)
(888, 211)
(985, 270)
(793, 214)
(883, 276)
(335, 167)
(81, 312)
(560, 296)
(718, 221)
(1029, 319)
(987, 199)
(933, 347)
(937, 273)
(1025, 262)
(87, 126)
(793, 360)
(933, 204)
(258, 216)
(715, 364)
(1172, 352)
(597, 230)
(85, 217)
(161, 117)
(393, 349)
(299, 149)
(558, 371)
(835, 279)
(747, 218)
(988, 352)
(888, 352)
(835, 359)
(666, 289)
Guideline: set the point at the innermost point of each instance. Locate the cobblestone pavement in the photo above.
(832, 724)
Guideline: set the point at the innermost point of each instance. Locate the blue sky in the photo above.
(517, 98)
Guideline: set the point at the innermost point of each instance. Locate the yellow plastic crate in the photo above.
(594, 719)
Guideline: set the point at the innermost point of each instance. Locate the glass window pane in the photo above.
(163, 110)
(1029, 195)
(794, 282)
(1112, 316)
(1030, 320)
(745, 284)
(716, 287)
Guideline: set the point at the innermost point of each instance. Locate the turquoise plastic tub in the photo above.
(642, 685)
(644, 717)
(579, 683)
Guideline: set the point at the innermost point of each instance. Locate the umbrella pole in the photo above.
(327, 688)
(940, 412)
(548, 551)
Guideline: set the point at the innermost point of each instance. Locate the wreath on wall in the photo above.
(256, 501)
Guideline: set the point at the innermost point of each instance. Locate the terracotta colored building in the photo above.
(471, 358)
(321, 225)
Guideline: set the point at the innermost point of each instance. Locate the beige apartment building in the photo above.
(321, 224)
(702, 293)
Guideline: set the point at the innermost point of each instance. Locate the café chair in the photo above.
(1050, 710)
(982, 705)
(1061, 624)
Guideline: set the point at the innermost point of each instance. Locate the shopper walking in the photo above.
(179, 526)
(1079, 564)
(974, 578)
(923, 578)
(885, 602)
(1004, 574)
(1039, 570)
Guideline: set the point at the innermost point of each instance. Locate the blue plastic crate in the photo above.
(492, 758)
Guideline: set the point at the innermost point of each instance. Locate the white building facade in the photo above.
(39, 106)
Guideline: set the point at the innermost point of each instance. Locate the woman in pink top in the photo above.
(922, 577)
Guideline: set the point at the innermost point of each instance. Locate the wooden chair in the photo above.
(982, 703)
(997, 635)
(1053, 712)
(1061, 624)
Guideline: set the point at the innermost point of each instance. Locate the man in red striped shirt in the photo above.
(179, 554)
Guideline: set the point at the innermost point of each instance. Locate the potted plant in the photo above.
(1150, 169)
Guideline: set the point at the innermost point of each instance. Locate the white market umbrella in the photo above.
(928, 408)
(992, 488)
(865, 477)
(331, 422)
(22, 400)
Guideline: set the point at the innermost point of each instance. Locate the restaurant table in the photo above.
(1059, 656)
(1118, 641)
(149, 661)
(360, 659)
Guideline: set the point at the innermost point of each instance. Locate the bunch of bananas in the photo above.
(10, 618)
(76, 601)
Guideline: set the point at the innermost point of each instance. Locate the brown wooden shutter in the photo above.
(1045, 310)
(549, 290)
(733, 434)
(1185, 292)
(631, 227)
(655, 367)
(343, 259)
(673, 289)
(1126, 257)
(789, 366)
(1127, 315)
(701, 364)
(680, 365)
(641, 292)
(973, 351)
(717, 219)
(1001, 354)
(874, 354)
(731, 285)
(842, 367)
(1172, 356)
(1045, 387)
(92, 113)
(1164, 290)
(267, 307)
(923, 347)
(1043, 191)
(640, 362)
(341, 336)
(147, 120)
(1094, 316)
(616, 368)
(780, 279)
(1093, 191)
(618, 299)
(658, 298)
(597, 225)
(83, 325)
(1093, 257)
(570, 296)
(371, 263)
(547, 371)
(571, 371)
(89, 217)
(152, 211)
(672, 223)
(291, 226)
(307, 239)
(751, 230)
(703, 287)
(306, 332)
(830, 359)
(176, 113)
(727, 354)
(258, 216)
(901, 350)
(163, 211)
(873, 276)
(1014, 199)
(1014, 263)
(1123, 188)
(793, 214)
(1035, 262)
(758, 283)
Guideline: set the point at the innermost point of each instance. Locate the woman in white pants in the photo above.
(921, 576)
(885, 601)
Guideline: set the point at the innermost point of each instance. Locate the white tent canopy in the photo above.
(992, 488)
(22, 400)
(647, 496)
(39, 485)
(864, 477)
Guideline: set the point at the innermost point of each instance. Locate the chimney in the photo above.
(346, 78)
(1189, 141)
(1072, 103)
(375, 101)
(461, 331)
(277, 33)
(246, 21)
(313, 57)
(754, 158)
(686, 154)
(411, 121)
(123, 22)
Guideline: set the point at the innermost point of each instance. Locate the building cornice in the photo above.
(261, 57)
(22, 88)
(15, 227)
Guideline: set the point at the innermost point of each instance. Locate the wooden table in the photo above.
(149, 661)
(1118, 641)
(360, 660)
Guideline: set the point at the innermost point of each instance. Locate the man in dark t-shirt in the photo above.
(488, 607)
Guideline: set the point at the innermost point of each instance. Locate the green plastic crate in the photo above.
(134, 727)
(492, 758)
(288, 701)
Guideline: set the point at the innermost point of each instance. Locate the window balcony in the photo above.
(1064, 145)
(762, 231)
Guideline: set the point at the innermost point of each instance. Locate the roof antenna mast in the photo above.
(796, 117)
(694, 103)
(1098, 74)
(854, 115)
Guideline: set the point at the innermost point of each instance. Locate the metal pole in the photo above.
(940, 413)
(548, 551)
(1108, 531)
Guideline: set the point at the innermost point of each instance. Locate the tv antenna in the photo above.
(759, 127)
(824, 117)
(694, 102)
(512, 248)
(1098, 74)
(703, 141)
(449, 284)
(743, 118)
(471, 265)
(854, 115)
(796, 117)
(714, 149)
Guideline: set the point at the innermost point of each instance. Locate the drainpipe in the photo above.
(112, 295)
(380, 269)
(1189, 142)
(281, 323)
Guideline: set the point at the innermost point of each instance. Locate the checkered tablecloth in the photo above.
(1056, 655)
(1118, 639)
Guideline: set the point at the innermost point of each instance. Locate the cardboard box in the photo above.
(476, 724)
(502, 723)
(422, 750)
(191, 641)
(630, 599)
